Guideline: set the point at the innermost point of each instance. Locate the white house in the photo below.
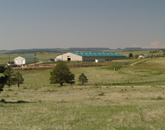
(20, 60)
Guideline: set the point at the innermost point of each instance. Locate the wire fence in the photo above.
(69, 65)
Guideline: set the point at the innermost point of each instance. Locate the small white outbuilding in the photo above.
(99, 60)
(20, 60)
(141, 57)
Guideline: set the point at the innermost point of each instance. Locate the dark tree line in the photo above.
(9, 78)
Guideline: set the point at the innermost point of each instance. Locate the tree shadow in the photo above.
(15, 102)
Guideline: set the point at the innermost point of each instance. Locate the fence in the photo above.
(69, 65)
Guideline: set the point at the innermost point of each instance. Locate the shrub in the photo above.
(159, 98)
(83, 79)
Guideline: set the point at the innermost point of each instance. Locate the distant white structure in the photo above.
(58, 58)
(10, 64)
(21, 60)
(99, 60)
(141, 57)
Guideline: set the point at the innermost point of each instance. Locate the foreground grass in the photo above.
(83, 107)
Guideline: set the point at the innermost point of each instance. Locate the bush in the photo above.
(130, 55)
(83, 79)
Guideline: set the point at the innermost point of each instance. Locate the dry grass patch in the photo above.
(72, 107)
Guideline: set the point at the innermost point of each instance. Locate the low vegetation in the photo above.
(82, 79)
(99, 75)
(85, 108)
(113, 97)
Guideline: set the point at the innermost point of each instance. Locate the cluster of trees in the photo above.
(61, 74)
(151, 56)
(9, 78)
(154, 51)
(130, 55)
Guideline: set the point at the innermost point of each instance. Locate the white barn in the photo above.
(89, 56)
(20, 60)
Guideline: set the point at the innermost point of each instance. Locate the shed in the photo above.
(141, 57)
(25, 59)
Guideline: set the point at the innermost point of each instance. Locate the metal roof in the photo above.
(28, 57)
(97, 54)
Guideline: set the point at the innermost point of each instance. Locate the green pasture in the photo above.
(126, 53)
(83, 108)
(4, 58)
(125, 61)
(98, 75)
(127, 98)
(155, 62)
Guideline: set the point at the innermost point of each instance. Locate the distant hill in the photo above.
(23, 51)
(49, 50)
(133, 49)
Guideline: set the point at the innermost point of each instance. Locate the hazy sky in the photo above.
(28, 24)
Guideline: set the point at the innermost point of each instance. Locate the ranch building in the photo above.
(20, 60)
(89, 56)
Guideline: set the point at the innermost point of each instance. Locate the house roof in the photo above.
(29, 57)
(97, 54)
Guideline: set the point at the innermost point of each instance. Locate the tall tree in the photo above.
(83, 79)
(2, 78)
(2, 69)
(11, 80)
(130, 55)
(19, 78)
(61, 74)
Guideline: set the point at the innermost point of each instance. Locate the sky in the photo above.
(27, 24)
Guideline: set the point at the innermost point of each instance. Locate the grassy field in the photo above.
(155, 61)
(98, 105)
(126, 53)
(83, 108)
(97, 75)
(4, 58)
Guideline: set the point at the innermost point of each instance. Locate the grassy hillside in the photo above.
(126, 53)
(83, 108)
(97, 75)
(155, 61)
(97, 105)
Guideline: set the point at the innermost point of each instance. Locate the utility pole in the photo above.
(35, 59)
(9, 58)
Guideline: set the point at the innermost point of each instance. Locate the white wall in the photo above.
(58, 58)
(67, 55)
(19, 60)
